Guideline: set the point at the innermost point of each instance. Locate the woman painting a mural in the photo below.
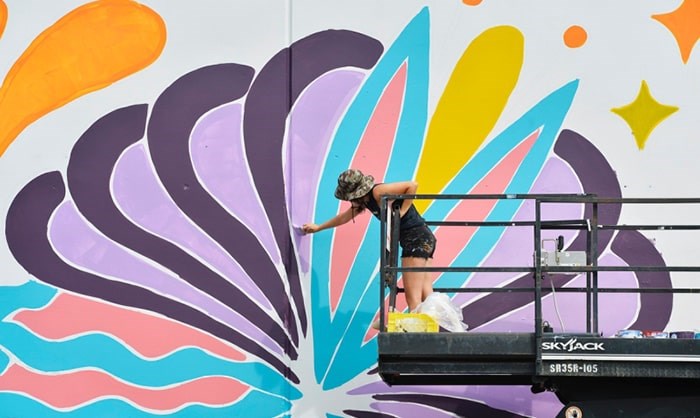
(416, 239)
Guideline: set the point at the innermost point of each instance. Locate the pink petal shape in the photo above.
(69, 315)
(69, 390)
(372, 157)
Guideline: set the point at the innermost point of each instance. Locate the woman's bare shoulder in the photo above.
(398, 187)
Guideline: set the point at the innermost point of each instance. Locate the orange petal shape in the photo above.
(3, 16)
(88, 49)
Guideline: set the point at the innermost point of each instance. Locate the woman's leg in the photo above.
(414, 281)
(417, 247)
(427, 282)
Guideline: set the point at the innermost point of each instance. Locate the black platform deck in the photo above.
(456, 358)
(511, 358)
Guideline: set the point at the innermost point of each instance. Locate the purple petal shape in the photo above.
(144, 201)
(655, 308)
(596, 177)
(593, 170)
(517, 399)
(312, 125)
(556, 176)
(173, 118)
(265, 117)
(367, 414)
(617, 309)
(409, 409)
(515, 248)
(219, 161)
(25, 229)
(457, 406)
(84, 247)
(89, 174)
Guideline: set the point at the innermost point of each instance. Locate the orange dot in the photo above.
(575, 36)
(471, 2)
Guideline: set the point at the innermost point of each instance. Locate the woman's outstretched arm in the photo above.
(339, 219)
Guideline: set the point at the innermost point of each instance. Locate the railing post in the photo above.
(594, 265)
(589, 275)
(383, 273)
(538, 288)
(393, 255)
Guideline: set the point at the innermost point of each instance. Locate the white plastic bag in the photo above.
(440, 307)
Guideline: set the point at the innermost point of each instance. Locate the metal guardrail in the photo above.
(389, 268)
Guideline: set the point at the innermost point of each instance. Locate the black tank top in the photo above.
(409, 220)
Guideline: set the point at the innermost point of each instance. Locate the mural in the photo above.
(168, 273)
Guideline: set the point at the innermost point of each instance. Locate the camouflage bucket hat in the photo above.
(352, 184)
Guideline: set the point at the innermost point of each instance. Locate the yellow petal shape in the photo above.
(470, 106)
(3, 16)
(88, 49)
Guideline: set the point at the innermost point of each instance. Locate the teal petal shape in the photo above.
(30, 295)
(548, 115)
(411, 46)
(87, 351)
(262, 404)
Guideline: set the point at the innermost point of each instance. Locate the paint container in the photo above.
(629, 333)
(411, 322)
(682, 335)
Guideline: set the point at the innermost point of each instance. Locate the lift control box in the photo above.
(563, 258)
(558, 257)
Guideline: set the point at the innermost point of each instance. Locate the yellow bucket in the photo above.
(411, 322)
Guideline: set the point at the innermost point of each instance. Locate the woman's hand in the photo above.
(339, 219)
(309, 228)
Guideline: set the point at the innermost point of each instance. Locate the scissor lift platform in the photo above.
(603, 376)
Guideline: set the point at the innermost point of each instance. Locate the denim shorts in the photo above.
(418, 241)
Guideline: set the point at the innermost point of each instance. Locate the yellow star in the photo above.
(644, 114)
(684, 24)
